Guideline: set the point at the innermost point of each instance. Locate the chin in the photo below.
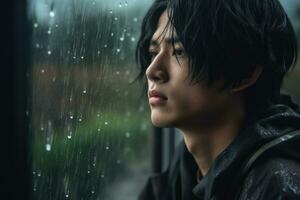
(161, 121)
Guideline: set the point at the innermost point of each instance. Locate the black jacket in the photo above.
(272, 173)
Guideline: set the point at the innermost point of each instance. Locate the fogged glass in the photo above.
(90, 124)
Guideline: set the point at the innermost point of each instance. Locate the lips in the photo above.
(156, 98)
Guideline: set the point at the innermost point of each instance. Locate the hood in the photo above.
(274, 122)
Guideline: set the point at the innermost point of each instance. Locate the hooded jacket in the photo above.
(263, 162)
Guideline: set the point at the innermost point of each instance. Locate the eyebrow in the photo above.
(168, 40)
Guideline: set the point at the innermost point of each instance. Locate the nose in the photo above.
(157, 71)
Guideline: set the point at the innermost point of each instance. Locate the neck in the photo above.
(206, 142)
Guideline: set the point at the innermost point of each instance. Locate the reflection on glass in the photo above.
(89, 125)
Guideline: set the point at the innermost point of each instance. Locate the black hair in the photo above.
(226, 40)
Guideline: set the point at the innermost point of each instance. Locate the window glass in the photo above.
(292, 81)
(90, 126)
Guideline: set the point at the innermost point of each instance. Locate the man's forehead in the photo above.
(163, 32)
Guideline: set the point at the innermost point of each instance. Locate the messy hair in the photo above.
(226, 40)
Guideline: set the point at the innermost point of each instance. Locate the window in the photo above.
(90, 126)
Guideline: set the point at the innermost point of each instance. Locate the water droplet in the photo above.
(98, 129)
(88, 171)
(69, 135)
(48, 147)
(118, 161)
(34, 189)
(118, 73)
(53, 79)
(42, 70)
(84, 91)
(52, 14)
(42, 129)
(105, 46)
(120, 5)
(112, 34)
(132, 39)
(106, 123)
(35, 25)
(98, 52)
(107, 147)
(71, 116)
(135, 19)
(98, 114)
(49, 52)
(56, 25)
(74, 57)
(110, 11)
(67, 195)
(127, 134)
(49, 32)
(80, 119)
(82, 57)
(118, 50)
(102, 175)
(126, 3)
(127, 72)
(121, 38)
(37, 45)
(92, 191)
(116, 19)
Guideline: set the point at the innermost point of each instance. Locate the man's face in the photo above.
(183, 104)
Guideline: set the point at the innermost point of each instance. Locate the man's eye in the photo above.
(179, 52)
(152, 54)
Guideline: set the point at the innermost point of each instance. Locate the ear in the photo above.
(249, 81)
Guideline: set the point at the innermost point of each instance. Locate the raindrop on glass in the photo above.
(132, 39)
(98, 129)
(118, 50)
(71, 116)
(118, 73)
(35, 25)
(70, 135)
(52, 14)
(110, 11)
(49, 52)
(116, 19)
(98, 114)
(84, 91)
(49, 32)
(120, 5)
(102, 176)
(126, 3)
(82, 57)
(107, 147)
(127, 134)
(105, 46)
(106, 123)
(42, 128)
(118, 161)
(42, 70)
(92, 191)
(48, 147)
(135, 19)
(112, 34)
(67, 195)
(88, 171)
(37, 45)
(121, 38)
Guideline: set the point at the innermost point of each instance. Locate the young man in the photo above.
(214, 70)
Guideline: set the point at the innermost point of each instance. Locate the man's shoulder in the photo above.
(273, 178)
